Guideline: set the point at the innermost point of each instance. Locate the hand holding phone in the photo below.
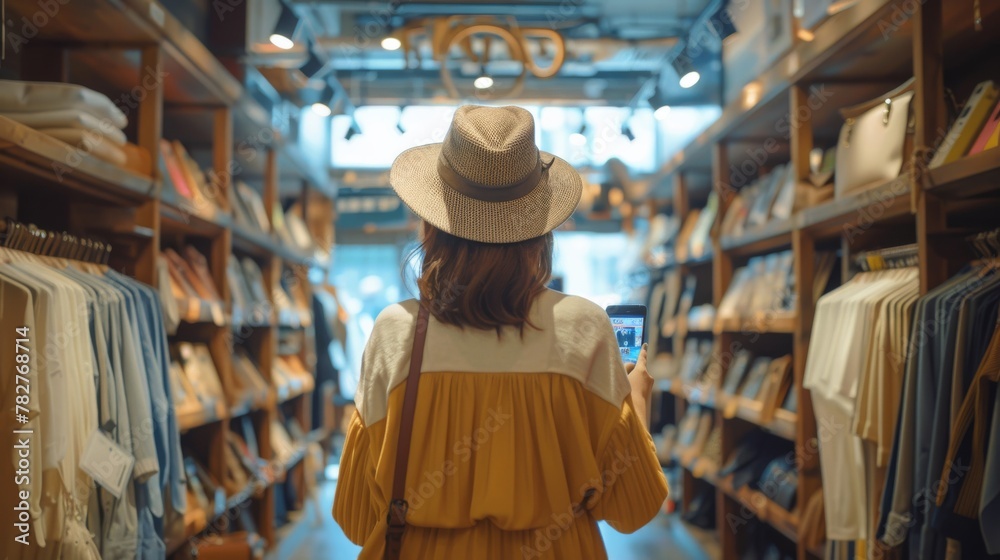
(628, 322)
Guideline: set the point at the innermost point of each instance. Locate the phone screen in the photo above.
(628, 330)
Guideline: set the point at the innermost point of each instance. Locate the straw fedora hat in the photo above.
(487, 181)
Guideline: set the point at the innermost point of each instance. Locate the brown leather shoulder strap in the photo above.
(398, 506)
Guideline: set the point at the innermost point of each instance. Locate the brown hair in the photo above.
(483, 285)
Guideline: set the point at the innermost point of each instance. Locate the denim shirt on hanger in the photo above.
(149, 499)
(119, 516)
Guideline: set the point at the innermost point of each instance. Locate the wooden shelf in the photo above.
(253, 404)
(192, 74)
(252, 242)
(780, 322)
(40, 160)
(782, 426)
(287, 393)
(690, 262)
(202, 417)
(203, 313)
(842, 43)
(786, 522)
(858, 211)
(178, 216)
(968, 177)
(770, 237)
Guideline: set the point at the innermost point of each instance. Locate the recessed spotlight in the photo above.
(662, 112)
(391, 43)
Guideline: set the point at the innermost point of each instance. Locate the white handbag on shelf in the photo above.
(875, 141)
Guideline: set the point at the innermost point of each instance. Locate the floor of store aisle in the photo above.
(320, 538)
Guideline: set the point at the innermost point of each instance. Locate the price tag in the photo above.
(108, 464)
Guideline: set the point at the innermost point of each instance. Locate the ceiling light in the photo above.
(752, 93)
(399, 122)
(627, 130)
(616, 196)
(578, 139)
(322, 109)
(313, 66)
(722, 23)
(690, 79)
(284, 31)
(324, 103)
(391, 43)
(658, 102)
(352, 130)
(484, 81)
(685, 69)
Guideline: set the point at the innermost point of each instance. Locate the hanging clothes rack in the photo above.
(32, 239)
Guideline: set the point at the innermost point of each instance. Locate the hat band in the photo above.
(490, 193)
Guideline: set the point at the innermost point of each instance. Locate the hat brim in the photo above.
(415, 179)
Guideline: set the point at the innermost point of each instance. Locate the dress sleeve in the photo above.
(634, 487)
(353, 506)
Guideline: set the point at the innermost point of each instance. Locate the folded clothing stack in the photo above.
(73, 114)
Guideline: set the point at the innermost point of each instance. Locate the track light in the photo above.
(283, 36)
(722, 23)
(352, 130)
(313, 66)
(658, 102)
(324, 105)
(484, 81)
(391, 43)
(627, 131)
(579, 138)
(322, 109)
(399, 122)
(685, 69)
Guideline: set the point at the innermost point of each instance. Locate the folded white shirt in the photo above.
(27, 97)
(70, 118)
(93, 144)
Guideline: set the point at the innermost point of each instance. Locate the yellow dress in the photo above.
(509, 433)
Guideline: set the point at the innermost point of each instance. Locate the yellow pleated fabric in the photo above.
(496, 464)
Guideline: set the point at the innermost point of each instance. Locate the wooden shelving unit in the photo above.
(143, 58)
(853, 59)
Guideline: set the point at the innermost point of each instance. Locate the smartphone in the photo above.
(629, 323)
